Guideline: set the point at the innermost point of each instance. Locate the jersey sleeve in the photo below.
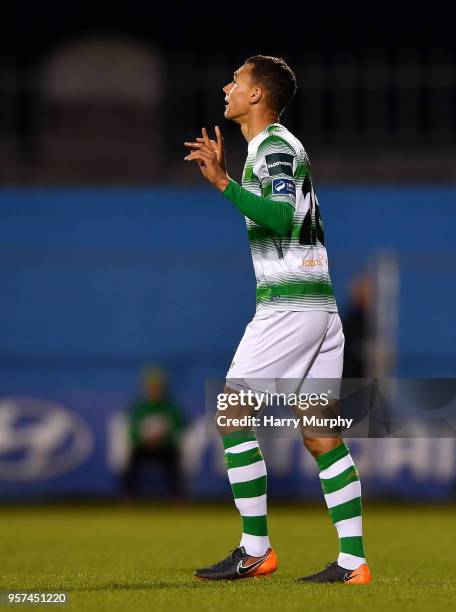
(273, 215)
(274, 166)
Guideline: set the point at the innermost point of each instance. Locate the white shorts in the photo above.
(289, 349)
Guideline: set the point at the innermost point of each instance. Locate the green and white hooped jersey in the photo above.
(291, 273)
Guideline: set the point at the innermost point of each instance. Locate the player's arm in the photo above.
(275, 215)
(272, 177)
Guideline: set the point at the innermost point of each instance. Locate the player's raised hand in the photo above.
(217, 147)
(210, 156)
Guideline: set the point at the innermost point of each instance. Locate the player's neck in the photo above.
(254, 125)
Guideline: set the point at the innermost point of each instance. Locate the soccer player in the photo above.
(296, 333)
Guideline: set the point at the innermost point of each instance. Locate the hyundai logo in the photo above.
(40, 439)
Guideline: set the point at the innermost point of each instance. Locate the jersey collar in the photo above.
(252, 144)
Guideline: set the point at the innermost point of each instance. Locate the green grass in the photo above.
(142, 558)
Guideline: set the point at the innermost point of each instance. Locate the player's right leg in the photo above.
(254, 557)
(246, 468)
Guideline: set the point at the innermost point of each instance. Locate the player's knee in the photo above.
(313, 446)
(319, 446)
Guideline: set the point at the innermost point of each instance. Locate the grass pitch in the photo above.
(142, 558)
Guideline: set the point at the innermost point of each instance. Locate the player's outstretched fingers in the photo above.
(202, 146)
(194, 145)
(218, 134)
(194, 155)
(207, 140)
(213, 143)
(220, 148)
(200, 156)
(201, 139)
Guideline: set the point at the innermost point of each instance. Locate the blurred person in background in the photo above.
(155, 424)
(357, 328)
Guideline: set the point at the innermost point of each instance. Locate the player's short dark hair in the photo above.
(276, 76)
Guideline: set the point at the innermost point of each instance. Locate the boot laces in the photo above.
(229, 560)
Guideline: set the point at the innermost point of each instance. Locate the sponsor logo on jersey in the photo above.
(283, 187)
(279, 163)
(311, 263)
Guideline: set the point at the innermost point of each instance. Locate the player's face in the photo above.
(237, 94)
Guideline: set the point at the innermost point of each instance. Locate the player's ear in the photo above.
(255, 95)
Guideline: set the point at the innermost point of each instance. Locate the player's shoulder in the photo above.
(278, 139)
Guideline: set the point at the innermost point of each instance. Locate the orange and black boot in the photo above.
(240, 565)
(335, 573)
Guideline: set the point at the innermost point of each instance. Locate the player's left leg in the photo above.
(342, 491)
(338, 474)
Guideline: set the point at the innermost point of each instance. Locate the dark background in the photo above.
(376, 96)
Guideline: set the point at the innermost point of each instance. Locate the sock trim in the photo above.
(327, 459)
(238, 437)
